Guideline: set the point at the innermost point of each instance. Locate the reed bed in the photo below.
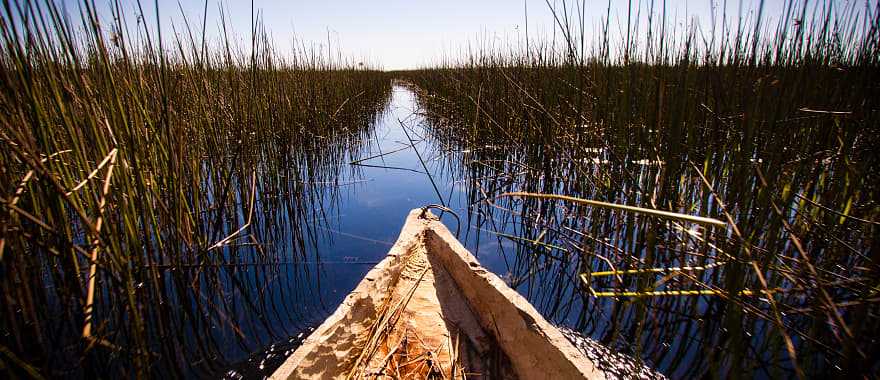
(768, 128)
(155, 196)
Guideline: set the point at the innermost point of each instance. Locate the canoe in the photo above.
(429, 310)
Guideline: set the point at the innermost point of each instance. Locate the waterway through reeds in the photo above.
(304, 230)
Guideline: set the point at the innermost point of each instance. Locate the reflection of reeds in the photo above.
(774, 132)
(151, 193)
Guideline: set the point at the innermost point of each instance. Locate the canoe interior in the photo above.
(429, 310)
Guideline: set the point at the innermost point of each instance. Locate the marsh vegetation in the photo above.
(159, 202)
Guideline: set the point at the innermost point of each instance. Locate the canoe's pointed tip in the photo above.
(414, 214)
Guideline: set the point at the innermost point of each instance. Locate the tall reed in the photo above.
(153, 192)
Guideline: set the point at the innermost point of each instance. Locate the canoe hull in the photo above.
(497, 325)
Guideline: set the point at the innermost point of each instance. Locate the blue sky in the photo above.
(406, 34)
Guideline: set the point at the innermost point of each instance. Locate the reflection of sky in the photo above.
(373, 209)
